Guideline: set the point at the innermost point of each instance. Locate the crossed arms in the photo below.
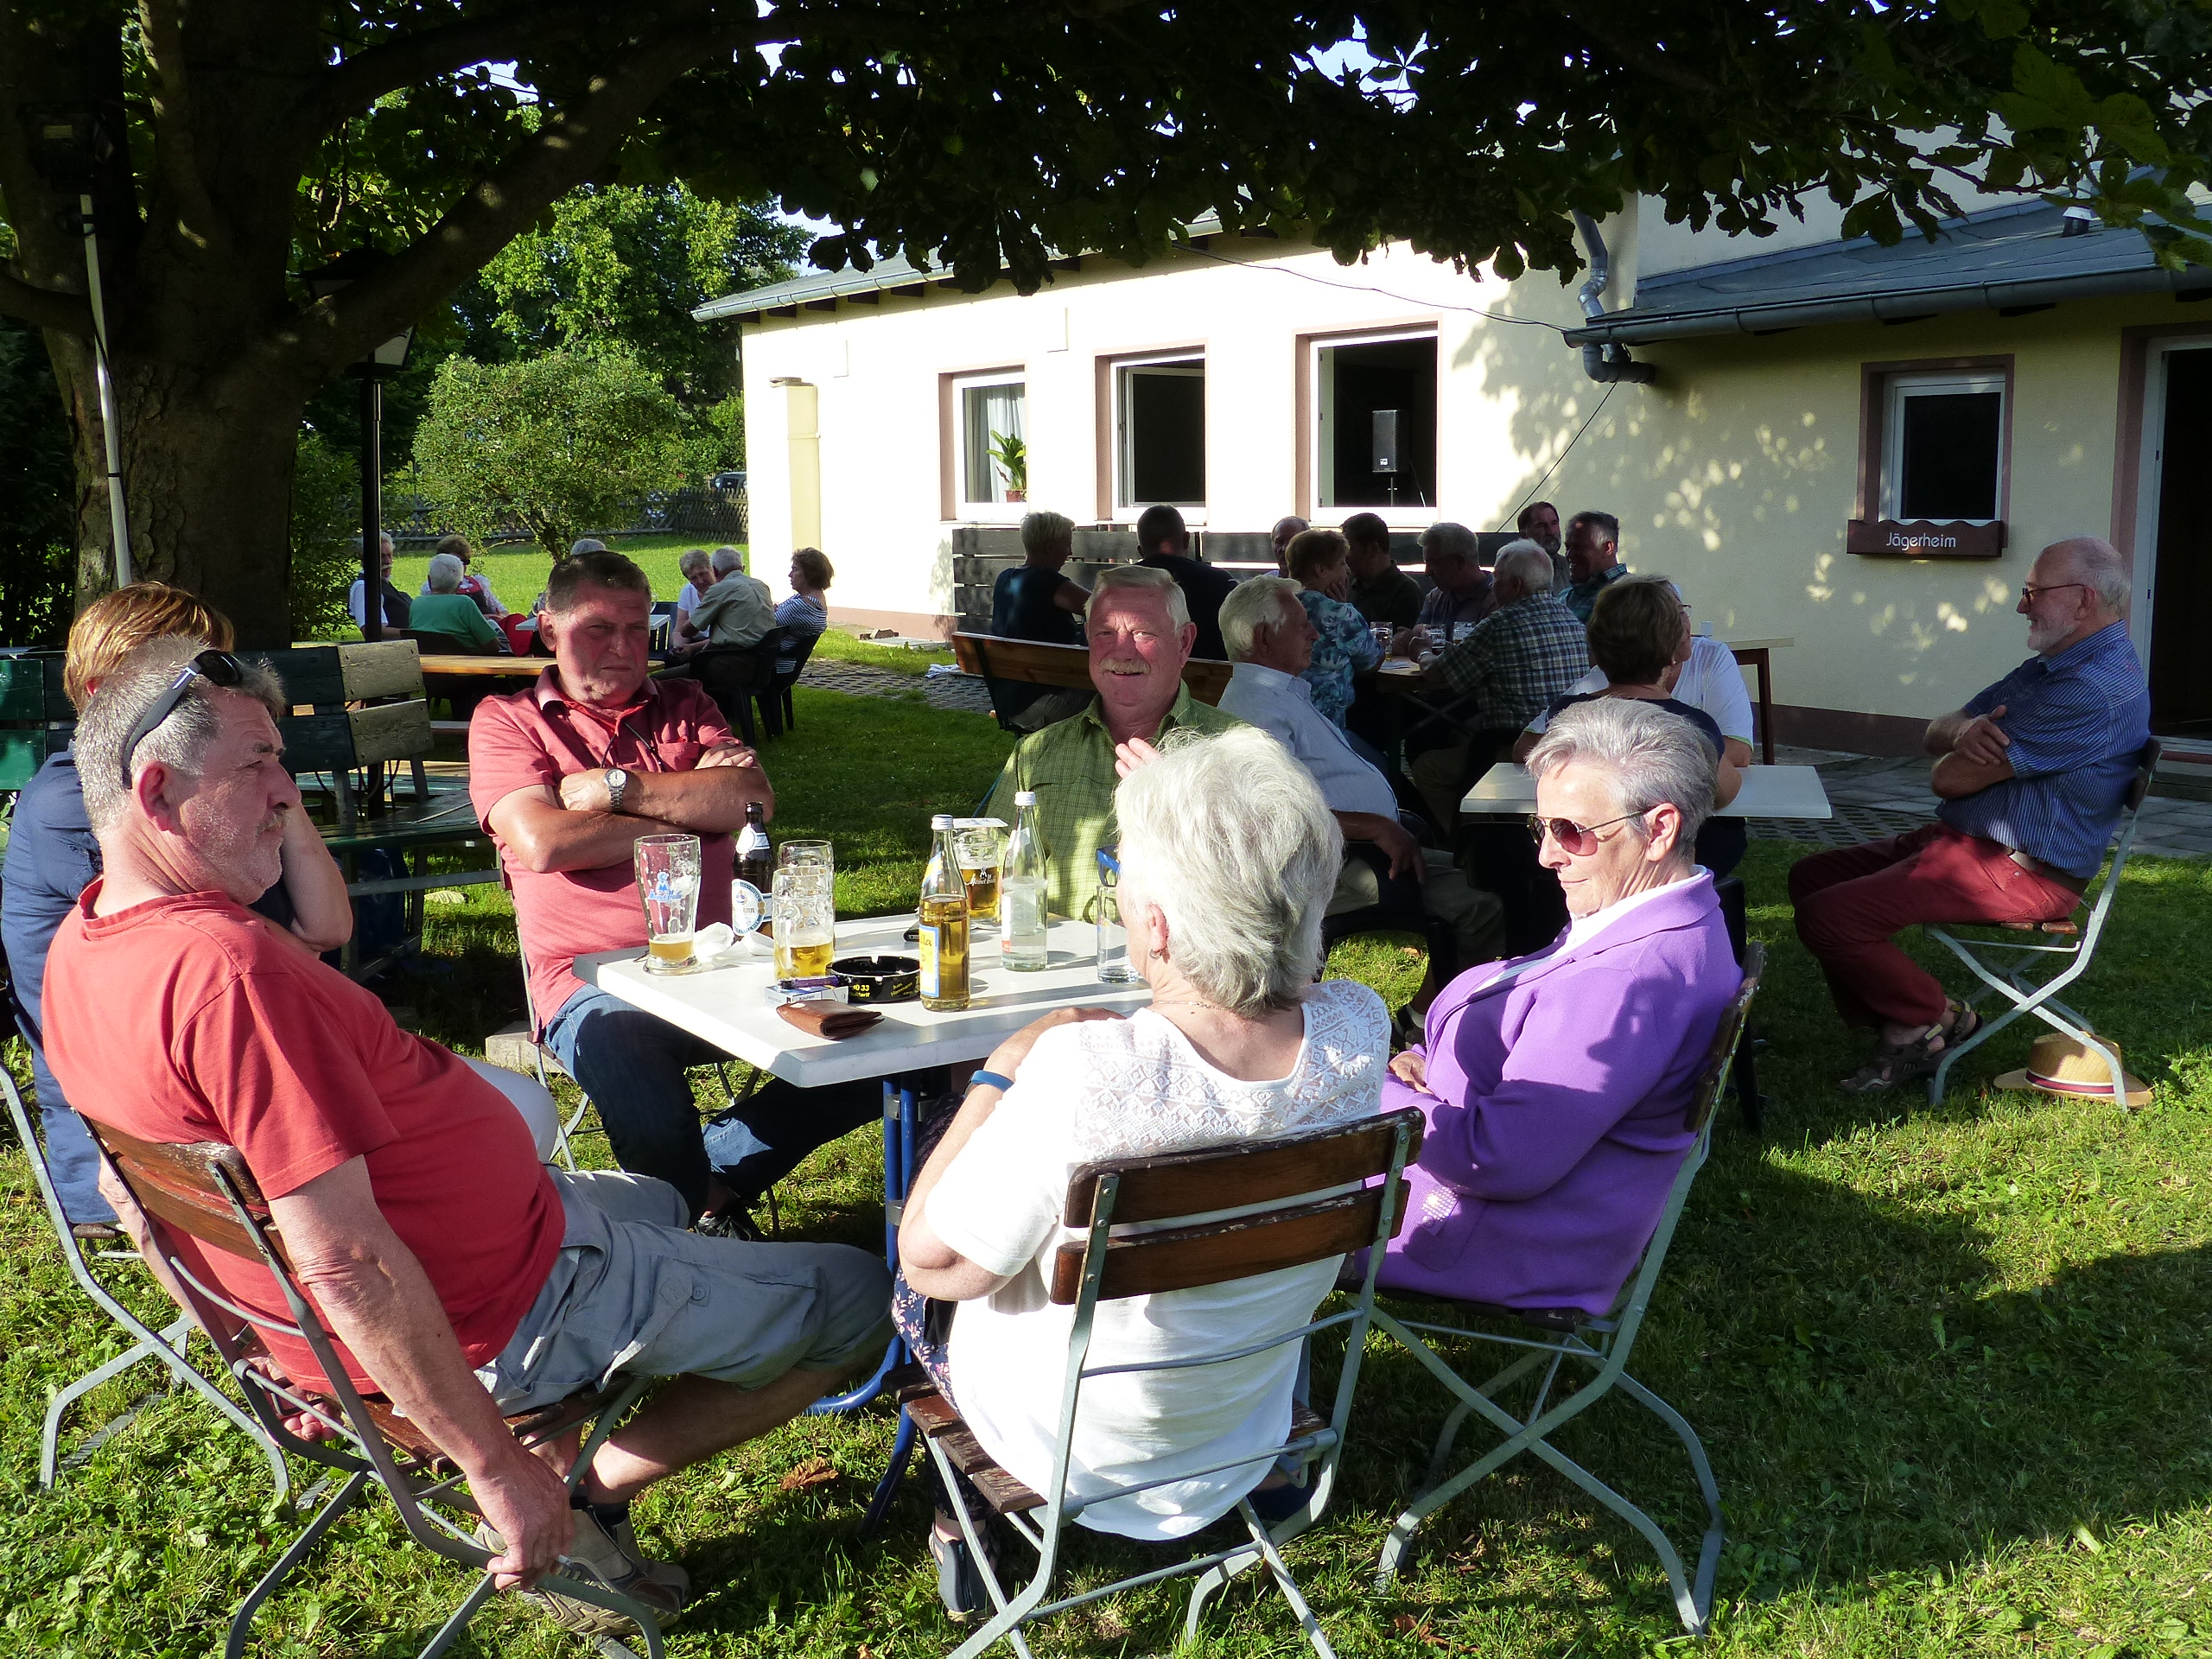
(1972, 751)
(573, 828)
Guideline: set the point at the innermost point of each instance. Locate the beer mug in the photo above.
(980, 847)
(667, 886)
(806, 921)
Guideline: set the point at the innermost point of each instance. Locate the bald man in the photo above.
(2032, 773)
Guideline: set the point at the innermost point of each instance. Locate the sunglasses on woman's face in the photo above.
(1575, 840)
(216, 667)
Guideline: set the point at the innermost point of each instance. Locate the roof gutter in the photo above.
(1603, 360)
(1617, 331)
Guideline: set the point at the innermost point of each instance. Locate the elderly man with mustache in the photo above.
(1141, 635)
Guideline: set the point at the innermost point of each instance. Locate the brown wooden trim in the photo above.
(1103, 445)
(1849, 730)
(948, 449)
(915, 625)
(1922, 538)
(1873, 387)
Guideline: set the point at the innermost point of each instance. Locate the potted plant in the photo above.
(1012, 454)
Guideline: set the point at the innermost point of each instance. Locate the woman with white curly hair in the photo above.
(1229, 857)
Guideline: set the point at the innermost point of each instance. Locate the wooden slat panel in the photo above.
(1254, 1171)
(1069, 666)
(1217, 1252)
(936, 1419)
(1715, 1076)
(310, 674)
(391, 731)
(173, 1181)
(390, 668)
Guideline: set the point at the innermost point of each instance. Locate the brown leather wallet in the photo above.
(830, 1020)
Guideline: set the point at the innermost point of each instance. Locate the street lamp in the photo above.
(372, 370)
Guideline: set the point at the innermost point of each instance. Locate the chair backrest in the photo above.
(1725, 1036)
(182, 1185)
(1305, 1196)
(1035, 663)
(432, 644)
(2139, 788)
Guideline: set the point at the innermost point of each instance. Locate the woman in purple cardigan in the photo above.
(1555, 1086)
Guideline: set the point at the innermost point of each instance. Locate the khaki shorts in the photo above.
(631, 1291)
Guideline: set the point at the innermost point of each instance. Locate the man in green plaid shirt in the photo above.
(1141, 634)
(1525, 653)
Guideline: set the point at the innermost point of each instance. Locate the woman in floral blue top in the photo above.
(1316, 562)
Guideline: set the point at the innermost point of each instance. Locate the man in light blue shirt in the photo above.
(1270, 639)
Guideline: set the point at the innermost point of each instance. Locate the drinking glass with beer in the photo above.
(806, 921)
(667, 886)
(980, 843)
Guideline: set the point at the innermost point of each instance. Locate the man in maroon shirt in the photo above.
(566, 777)
(463, 1279)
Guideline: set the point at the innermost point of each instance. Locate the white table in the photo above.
(728, 1006)
(1506, 790)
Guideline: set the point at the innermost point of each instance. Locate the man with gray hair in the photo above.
(1141, 635)
(444, 609)
(443, 1255)
(397, 605)
(1461, 595)
(737, 611)
(1504, 673)
(2032, 773)
(1270, 638)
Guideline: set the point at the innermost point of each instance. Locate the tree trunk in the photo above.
(207, 464)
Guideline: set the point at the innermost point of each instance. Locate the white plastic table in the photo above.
(1506, 790)
(730, 1008)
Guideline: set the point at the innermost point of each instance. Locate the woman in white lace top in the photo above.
(1228, 856)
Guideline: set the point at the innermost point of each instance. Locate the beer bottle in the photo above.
(943, 935)
(1023, 881)
(756, 860)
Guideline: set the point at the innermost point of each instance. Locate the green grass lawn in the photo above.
(1951, 1366)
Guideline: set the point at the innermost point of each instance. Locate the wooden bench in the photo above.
(1027, 662)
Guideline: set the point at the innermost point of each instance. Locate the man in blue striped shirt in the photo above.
(2032, 773)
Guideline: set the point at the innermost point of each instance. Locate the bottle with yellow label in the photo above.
(943, 936)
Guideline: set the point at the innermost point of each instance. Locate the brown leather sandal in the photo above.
(1901, 1063)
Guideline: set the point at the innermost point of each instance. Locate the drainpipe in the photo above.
(1611, 362)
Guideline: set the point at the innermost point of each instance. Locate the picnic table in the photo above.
(1507, 791)
(730, 1007)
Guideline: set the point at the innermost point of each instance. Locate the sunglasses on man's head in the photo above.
(216, 667)
(1575, 840)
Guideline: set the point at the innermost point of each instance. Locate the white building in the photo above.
(1818, 405)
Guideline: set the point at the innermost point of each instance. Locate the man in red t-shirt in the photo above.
(462, 1279)
(566, 777)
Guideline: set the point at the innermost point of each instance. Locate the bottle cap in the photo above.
(1025, 798)
(941, 820)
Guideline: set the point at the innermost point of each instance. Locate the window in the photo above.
(1942, 452)
(1160, 414)
(1375, 423)
(992, 465)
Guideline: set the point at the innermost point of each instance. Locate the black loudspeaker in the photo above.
(1386, 440)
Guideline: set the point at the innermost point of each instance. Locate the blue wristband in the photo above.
(991, 1079)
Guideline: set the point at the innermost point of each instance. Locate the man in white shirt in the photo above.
(397, 605)
(1712, 680)
(1270, 640)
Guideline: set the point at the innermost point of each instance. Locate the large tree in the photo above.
(250, 136)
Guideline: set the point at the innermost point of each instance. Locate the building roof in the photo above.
(2009, 258)
(821, 290)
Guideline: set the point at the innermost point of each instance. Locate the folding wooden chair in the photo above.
(166, 1345)
(205, 1191)
(1602, 1343)
(2002, 964)
(1302, 1198)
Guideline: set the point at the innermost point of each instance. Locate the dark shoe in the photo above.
(95, 1232)
(1276, 1504)
(732, 1221)
(1908, 1062)
(959, 1585)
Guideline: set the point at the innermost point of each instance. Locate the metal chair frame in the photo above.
(1325, 1444)
(364, 1452)
(2002, 964)
(1605, 1345)
(166, 1345)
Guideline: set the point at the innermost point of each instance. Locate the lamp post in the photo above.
(372, 370)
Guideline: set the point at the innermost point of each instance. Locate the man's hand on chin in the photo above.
(585, 791)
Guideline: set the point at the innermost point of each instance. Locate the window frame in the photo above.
(1119, 452)
(957, 386)
(1311, 346)
(1879, 384)
(1896, 389)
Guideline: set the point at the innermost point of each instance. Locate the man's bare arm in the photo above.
(380, 1303)
(547, 835)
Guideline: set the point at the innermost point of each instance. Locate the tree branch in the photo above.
(173, 154)
(1635, 56)
(46, 308)
(567, 149)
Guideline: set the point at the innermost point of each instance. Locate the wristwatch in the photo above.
(617, 781)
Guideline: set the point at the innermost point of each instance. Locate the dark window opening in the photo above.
(1947, 455)
(1163, 438)
(1376, 405)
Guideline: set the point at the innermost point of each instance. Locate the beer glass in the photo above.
(667, 886)
(806, 921)
(807, 852)
(980, 847)
(1114, 965)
